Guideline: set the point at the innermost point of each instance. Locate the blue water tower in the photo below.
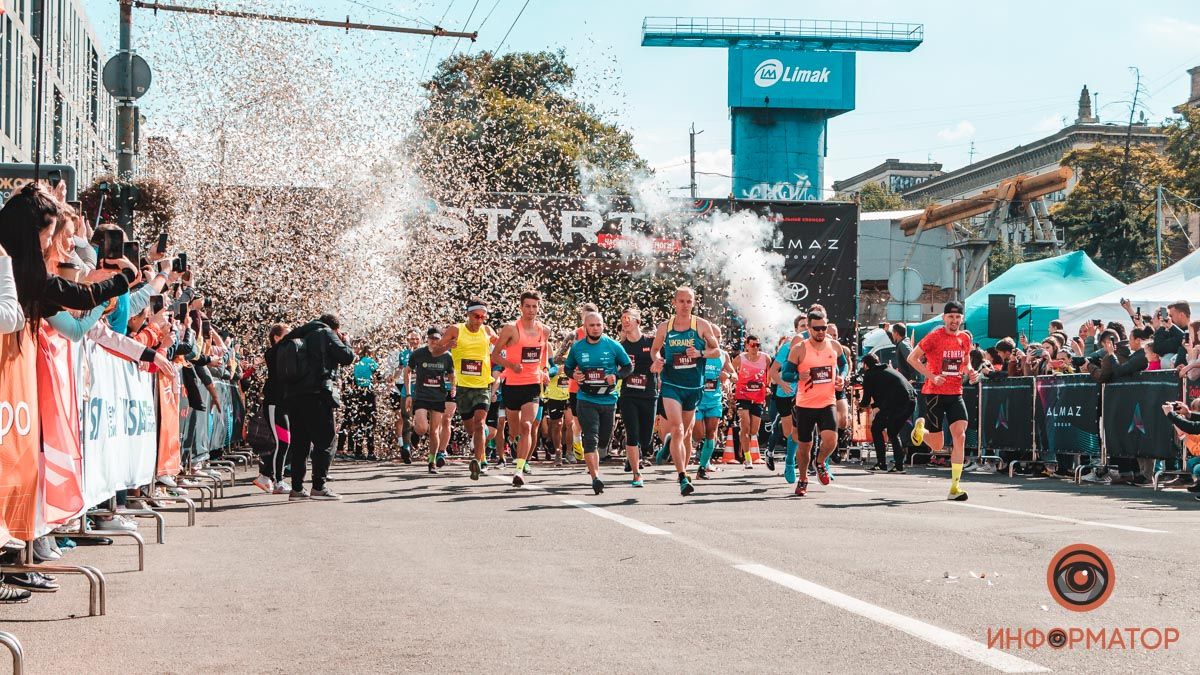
(787, 77)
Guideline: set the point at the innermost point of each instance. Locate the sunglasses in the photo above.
(819, 328)
(751, 344)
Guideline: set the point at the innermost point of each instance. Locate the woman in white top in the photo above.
(11, 316)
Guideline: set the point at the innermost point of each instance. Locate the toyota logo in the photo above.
(796, 291)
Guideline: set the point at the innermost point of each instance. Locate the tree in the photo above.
(509, 124)
(1183, 149)
(874, 197)
(1110, 212)
(152, 215)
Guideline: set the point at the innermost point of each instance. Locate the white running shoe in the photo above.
(263, 483)
(281, 488)
(169, 481)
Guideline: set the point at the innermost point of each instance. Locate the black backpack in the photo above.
(292, 362)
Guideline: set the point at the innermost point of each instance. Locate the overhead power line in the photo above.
(435, 31)
(510, 28)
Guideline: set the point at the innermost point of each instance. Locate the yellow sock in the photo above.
(955, 474)
(521, 464)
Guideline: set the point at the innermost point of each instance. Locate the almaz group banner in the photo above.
(1067, 416)
(1007, 422)
(1134, 423)
(120, 430)
(818, 240)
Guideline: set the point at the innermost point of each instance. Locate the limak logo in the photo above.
(771, 71)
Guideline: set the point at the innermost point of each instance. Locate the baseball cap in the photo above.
(953, 307)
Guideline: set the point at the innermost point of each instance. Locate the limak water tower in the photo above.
(787, 77)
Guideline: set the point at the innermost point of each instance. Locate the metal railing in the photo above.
(799, 28)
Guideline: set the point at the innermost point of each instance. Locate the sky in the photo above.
(989, 76)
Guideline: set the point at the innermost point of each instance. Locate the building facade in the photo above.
(893, 174)
(79, 116)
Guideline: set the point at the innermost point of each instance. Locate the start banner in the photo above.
(19, 436)
(120, 430)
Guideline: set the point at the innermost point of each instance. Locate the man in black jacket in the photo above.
(893, 399)
(310, 402)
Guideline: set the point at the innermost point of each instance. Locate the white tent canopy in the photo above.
(1180, 281)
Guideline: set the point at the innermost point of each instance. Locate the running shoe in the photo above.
(441, 459)
(297, 496)
(281, 488)
(702, 474)
(918, 433)
(432, 469)
(405, 454)
(957, 496)
(12, 596)
(263, 483)
(802, 488)
(527, 470)
(770, 459)
(877, 467)
(664, 452)
(517, 480)
(32, 581)
(685, 487)
(1194, 488)
(637, 481)
(896, 468)
(476, 469)
(827, 472)
(325, 494)
(749, 464)
(789, 473)
(823, 474)
(597, 485)
(483, 466)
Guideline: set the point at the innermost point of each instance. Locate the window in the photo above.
(57, 147)
(94, 87)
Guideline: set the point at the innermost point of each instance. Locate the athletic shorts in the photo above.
(756, 409)
(515, 396)
(572, 399)
(495, 412)
(396, 401)
(688, 398)
(951, 406)
(658, 408)
(784, 405)
(472, 399)
(555, 409)
(804, 419)
(432, 406)
(711, 411)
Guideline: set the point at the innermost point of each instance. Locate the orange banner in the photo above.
(58, 404)
(19, 436)
(168, 427)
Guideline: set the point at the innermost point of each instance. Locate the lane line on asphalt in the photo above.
(616, 517)
(1061, 519)
(939, 637)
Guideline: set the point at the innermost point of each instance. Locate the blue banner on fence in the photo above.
(1134, 423)
(1068, 416)
(1007, 414)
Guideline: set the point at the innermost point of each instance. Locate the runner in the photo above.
(430, 369)
(469, 344)
(845, 368)
(399, 399)
(557, 394)
(751, 390)
(524, 375)
(783, 375)
(815, 360)
(596, 362)
(679, 344)
(638, 393)
(941, 358)
(717, 372)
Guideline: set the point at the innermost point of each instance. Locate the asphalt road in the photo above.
(876, 573)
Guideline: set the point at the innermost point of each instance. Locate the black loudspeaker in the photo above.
(1002, 315)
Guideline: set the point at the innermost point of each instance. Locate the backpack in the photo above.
(292, 364)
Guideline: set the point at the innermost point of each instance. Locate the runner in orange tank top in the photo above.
(816, 393)
(524, 340)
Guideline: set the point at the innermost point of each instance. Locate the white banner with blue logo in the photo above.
(120, 427)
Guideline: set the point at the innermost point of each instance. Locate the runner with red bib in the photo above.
(943, 358)
(750, 393)
(816, 395)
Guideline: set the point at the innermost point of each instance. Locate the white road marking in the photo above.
(934, 635)
(616, 518)
(1062, 519)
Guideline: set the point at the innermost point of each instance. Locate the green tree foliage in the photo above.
(510, 124)
(1183, 149)
(1110, 213)
(874, 197)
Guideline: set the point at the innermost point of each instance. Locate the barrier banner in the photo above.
(1134, 423)
(196, 424)
(168, 426)
(58, 407)
(971, 399)
(1007, 414)
(120, 432)
(19, 436)
(1068, 416)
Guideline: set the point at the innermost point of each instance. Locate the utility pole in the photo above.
(971, 154)
(692, 156)
(1158, 224)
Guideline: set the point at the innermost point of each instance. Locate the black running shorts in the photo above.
(950, 406)
(515, 396)
(804, 419)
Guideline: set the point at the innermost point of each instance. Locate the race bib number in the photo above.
(754, 386)
(472, 367)
(681, 361)
(531, 354)
(710, 385)
(952, 365)
(594, 376)
(433, 381)
(636, 381)
(822, 374)
(564, 383)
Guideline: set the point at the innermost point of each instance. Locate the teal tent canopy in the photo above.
(1041, 287)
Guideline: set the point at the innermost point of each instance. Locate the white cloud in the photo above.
(1049, 123)
(960, 131)
(1169, 31)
